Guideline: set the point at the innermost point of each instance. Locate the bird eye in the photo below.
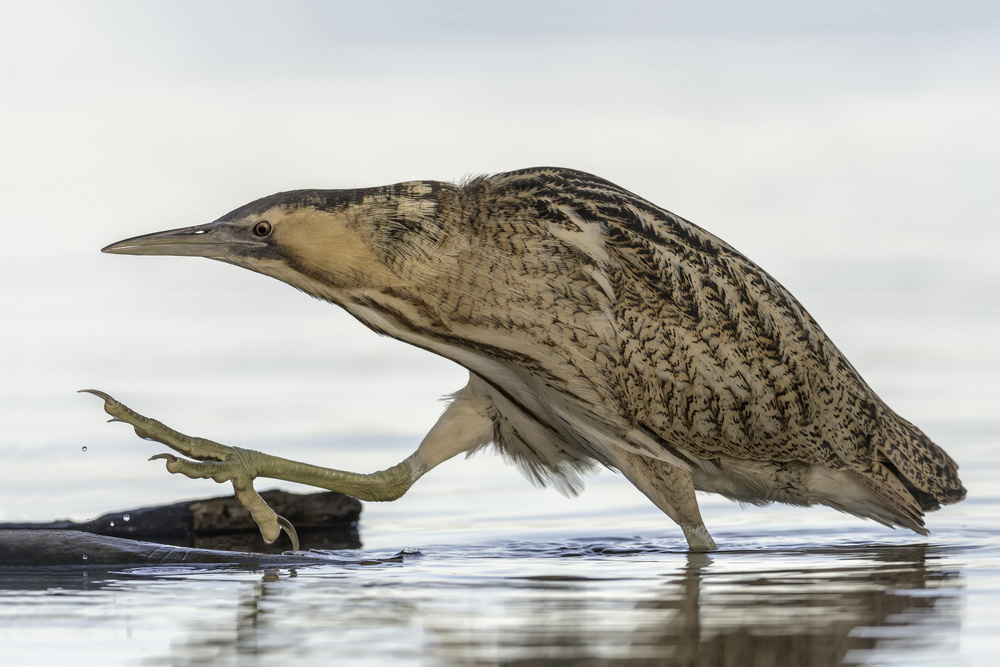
(262, 228)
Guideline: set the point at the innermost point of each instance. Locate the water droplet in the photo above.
(85, 556)
(84, 448)
(112, 524)
(126, 517)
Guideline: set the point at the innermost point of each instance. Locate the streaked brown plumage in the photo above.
(597, 328)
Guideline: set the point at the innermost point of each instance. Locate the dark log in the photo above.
(326, 520)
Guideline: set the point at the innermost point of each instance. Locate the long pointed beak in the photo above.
(215, 240)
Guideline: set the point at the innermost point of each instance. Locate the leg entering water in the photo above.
(671, 489)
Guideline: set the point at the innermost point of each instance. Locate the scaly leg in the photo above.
(463, 425)
(240, 466)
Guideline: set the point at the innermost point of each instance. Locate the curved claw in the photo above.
(287, 526)
(110, 403)
(100, 394)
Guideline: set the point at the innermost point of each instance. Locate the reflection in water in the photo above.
(826, 616)
(830, 614)
(570, 604)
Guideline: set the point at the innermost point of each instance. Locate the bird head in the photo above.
(323, 242)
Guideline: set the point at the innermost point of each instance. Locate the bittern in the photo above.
(597, 329)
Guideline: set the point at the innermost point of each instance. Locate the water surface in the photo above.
(849, 148)
(480, 568)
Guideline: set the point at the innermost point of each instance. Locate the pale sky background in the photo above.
(850, 148)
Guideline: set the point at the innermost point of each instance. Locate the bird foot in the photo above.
(213, 461)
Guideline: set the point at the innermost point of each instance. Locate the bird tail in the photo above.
(910, 475)
(926, 470)
(897, 506)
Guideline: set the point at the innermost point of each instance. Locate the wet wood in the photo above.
(326, 520)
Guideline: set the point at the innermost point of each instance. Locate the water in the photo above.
(475, 566)
(572, 601)
(849, 149)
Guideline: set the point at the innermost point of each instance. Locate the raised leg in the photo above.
(671, 489)
(461, 427)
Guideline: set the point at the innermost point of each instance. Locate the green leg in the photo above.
(241, 466)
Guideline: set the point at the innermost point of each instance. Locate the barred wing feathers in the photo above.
(717, 358)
